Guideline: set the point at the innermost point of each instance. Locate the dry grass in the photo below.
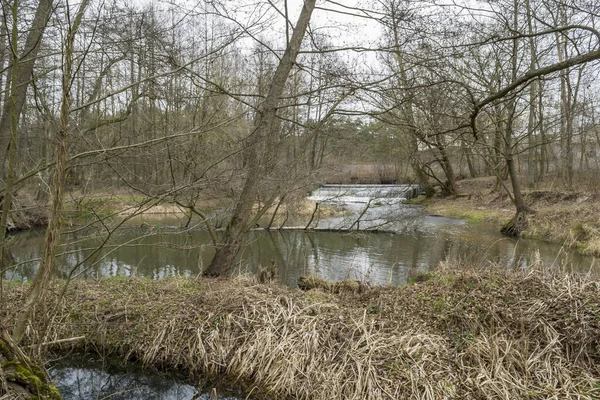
(567, 217)
(477, 203)
(575, 222)
(458, 335)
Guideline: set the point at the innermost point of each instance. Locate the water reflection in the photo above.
(374, 257)
(81, 379)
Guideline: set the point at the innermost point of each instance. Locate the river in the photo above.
(84, 378)
(406, 239)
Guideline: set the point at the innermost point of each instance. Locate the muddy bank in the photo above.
(138, 209)
(25, 214)
(567, 217)
(80, 209)
(451, 334)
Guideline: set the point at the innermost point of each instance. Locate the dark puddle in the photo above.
(85, 378)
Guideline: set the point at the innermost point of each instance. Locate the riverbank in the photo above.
(569, 218)
(27, 213)
(451, 334)
(82, 209)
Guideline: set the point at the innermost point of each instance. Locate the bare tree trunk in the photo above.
(3, 45)
(415, 164)
(408, 114)
(265, 131)
(597, 133)
(531, 125)
(26, 62)
(44, 273)
(12, 147)
(542, 128)
(19, 377)
(469, 157)
(518, 223)
(566, 106)
(447, 167)
(498, 160)
(498, 156)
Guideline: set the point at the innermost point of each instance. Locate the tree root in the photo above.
(516, 226)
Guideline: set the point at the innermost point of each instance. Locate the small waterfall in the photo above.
(385, 194)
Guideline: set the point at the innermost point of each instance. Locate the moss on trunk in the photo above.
(19, 377)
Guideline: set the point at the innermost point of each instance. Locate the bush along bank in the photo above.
(455, 334)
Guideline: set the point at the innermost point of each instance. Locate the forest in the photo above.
(230, 114)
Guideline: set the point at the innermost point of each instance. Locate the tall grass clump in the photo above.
(460, 334)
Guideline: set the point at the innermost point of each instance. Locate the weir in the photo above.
(414, 241)
(365, 193)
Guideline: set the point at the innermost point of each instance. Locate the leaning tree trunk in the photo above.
(59, 178)
(447, 166)
(21, 70)
(519, 222)
(469, 157)
(6, 197)
(26, 62)
(265, 133)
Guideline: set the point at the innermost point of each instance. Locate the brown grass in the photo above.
(457, 335)
(566, 217)
(477, 202)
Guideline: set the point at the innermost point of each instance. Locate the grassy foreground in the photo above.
(453, 334)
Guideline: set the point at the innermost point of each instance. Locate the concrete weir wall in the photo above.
(364, 193)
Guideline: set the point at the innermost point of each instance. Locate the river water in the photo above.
(81, 378)
(406, 239)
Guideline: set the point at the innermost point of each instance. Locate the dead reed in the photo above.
(457, 335)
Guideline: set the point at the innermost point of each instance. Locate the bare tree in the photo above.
(58, 185)
(260, 150)
(26, 61)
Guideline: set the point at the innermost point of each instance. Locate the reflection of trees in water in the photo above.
(85, 383)
(18, 252)
(157, 255)
(95, 382)
(382, 258)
